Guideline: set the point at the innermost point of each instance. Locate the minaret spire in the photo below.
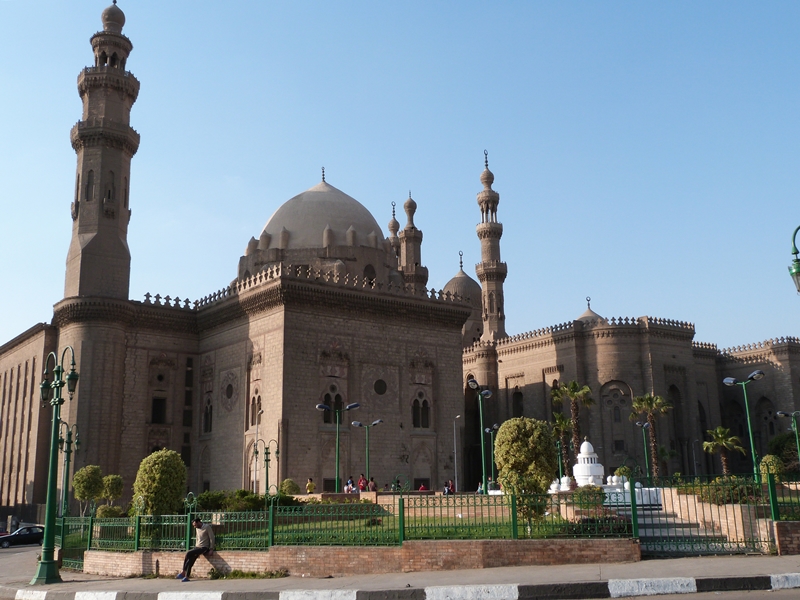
(410, 260)
(98, 261)
(491, 270)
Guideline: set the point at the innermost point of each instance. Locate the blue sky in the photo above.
(645, 153)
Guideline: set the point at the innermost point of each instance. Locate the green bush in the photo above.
(212, 500)
(107, 511)
(624, 471)
(730, 490)
(525, 453)
(112, 488)
(589, 496)
(289, 488)
(88, 485)
(771, 464)
(161, 482)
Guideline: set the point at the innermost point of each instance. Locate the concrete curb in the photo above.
(613, 588)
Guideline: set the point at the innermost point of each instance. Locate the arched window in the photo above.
(334, 400)
(516, 403)
(421, 412)
(426, 414)
(208, 413)
(416, 414)
(617, 415)
(89, 185)
(369, 274)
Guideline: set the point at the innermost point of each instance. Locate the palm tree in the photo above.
(562, 426)
(650, 406)
(577, 395)
(721, 442)
(665, 455)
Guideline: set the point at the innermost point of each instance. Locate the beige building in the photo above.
(326, 309)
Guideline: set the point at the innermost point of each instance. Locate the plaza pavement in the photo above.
(649, 577)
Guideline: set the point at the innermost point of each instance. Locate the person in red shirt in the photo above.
(422, 488)
(362, 483)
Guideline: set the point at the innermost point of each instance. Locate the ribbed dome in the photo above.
(589, 315)
(465, 286)
(113, 18)
(307, 216)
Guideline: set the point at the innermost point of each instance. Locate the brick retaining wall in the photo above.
(321, 561)
(787, 537)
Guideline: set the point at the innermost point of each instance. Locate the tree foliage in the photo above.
(651, 406)
(562, 427)
(525, 455)
(289, 487)
(161, 482)
(721, 443)
(784, 446)
(112, 488)
(577, 395)
(772, 464)
(88, 485)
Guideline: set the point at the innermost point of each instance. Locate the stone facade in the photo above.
(325, 310)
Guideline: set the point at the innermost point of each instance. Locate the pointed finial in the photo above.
(323, 174)
(393, 205)
(588, 302)
(115, 1)
(486, 158)
(460, 260)
(409, 194)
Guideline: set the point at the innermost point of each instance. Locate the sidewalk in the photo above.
(681, 575)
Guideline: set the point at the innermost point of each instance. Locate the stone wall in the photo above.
(787, 537)
(321, 561)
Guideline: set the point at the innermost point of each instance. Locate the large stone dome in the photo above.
(306, 217)
(465, 286)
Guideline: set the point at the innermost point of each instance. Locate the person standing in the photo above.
(310, 486)
(204, 545)
(372, 486)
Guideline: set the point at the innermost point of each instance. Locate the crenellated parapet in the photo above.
(108, 78)
(768, 345)
(106, 133)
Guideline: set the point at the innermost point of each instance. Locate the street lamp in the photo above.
(794, 268)
(793, 416)
(338, 415)
(367, 427)
(560, 465)
(255, 452)
(491, 431)
(645, 426)
(47, 570)
(267, 446)
(65, 445)
(481, 396)
(731, 381)
(455, 449)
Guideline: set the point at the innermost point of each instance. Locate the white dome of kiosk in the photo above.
(307, 216)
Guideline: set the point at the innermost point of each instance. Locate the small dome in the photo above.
(465, 286)
(307, 216)
(587, 448)
(589, 315)
(113, 18)
(487, 178)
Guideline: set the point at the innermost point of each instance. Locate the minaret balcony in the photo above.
(104, 132)
(489, 230)
(108, 77)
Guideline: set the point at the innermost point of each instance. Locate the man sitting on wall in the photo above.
(203, 545)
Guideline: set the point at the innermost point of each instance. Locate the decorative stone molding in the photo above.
(229, 389)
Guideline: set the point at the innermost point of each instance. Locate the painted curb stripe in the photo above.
(30, 594)
(621, 588)
(564, 591)
(189, 596)
(318, 595)
(96, 595)
(733, 584)
(472, 592)
(786, 581)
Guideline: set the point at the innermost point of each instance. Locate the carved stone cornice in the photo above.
(111, 78)
(309, 294)
(127, 313)
(115, 40)
(492, 231)
(106, 133)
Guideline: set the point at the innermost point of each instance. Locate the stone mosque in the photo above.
(326, 310)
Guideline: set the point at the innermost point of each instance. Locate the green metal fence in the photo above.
(787, 492)
(73, 538)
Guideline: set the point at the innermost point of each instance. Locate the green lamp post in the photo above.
(65, 445)
(645, 426)
(481, 396)
(47, 569)
(367, 428)
(267, 446)
(731, 381)
(338, 415)
(793, 416)
(794, 268)
(560, 465)
(491, 431)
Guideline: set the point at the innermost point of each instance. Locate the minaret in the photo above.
(98, 261)
(491, 270)
(411, 250)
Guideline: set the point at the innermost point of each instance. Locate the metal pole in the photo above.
(266, 465)
(491, 441)
(796, 436)
(750, 431)
(368, 428)
(560, 466)
(646, 462)
(255, 454)
(483, 443)
(65, 475)
(338, 414)
(455, 449)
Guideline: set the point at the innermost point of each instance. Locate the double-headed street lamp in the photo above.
(481, 396)
(267, 446)
(47, 570)
(65, 445)
(367, 427)
(338, 416)
(645, 426)
(794, 415)
(491, 431)
(731, 381)
(794, 268)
